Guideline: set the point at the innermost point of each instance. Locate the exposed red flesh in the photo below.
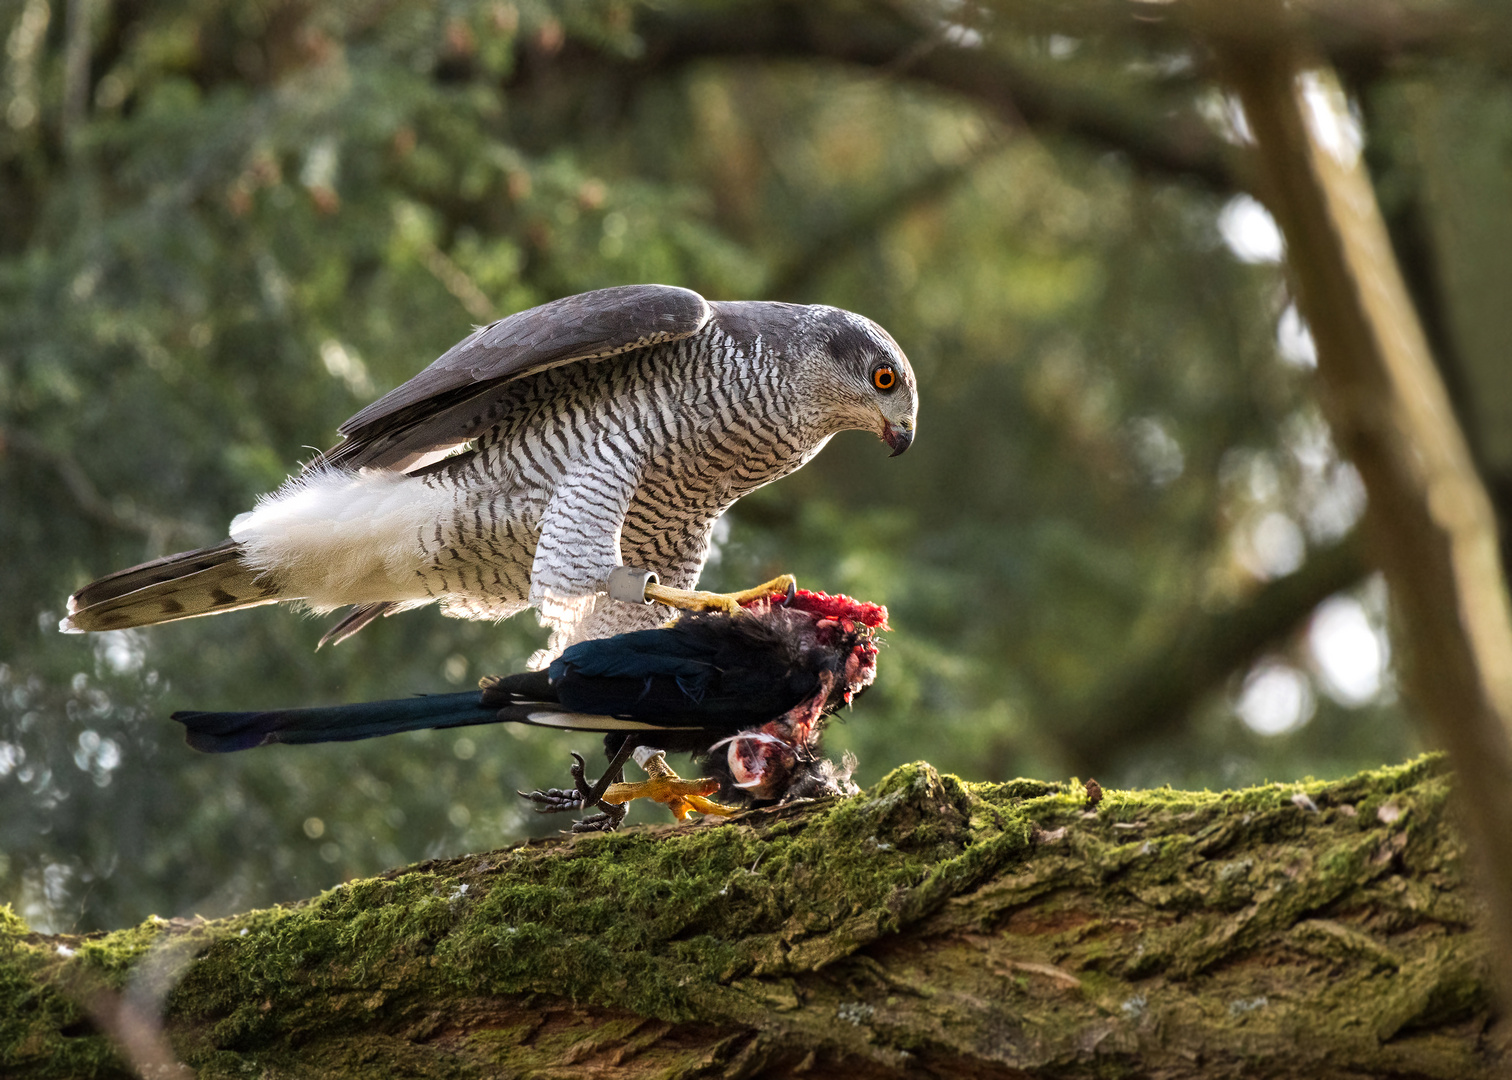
(838, 607)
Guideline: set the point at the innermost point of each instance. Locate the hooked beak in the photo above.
(898, 436)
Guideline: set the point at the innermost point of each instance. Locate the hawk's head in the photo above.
(868, 381)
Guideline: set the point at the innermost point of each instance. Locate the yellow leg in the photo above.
(697, 600)
(680, 796)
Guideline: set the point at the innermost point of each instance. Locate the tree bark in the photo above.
(926, 927)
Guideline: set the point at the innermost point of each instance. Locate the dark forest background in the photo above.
(1122, 546)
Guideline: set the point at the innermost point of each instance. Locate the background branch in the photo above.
(118, 513)
(1153, 700)
(1161, 137)
(793, 278)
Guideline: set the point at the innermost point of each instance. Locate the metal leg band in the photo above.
(628, 583)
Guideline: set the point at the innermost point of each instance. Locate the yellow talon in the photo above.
(705, 806)
(682, 797)
(698, 600)
(662, 789)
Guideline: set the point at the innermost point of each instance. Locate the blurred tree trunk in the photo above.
(923, 928)
(1429, 524)
(1440, 148)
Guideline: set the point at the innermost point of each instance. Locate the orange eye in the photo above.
(884, 378)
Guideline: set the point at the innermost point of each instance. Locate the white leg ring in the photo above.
(628, 583)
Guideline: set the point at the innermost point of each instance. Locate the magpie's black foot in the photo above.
(606, 821)
(588, 794)
(579, 797)
(554, 800)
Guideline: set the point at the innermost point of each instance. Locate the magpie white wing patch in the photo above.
(592, 722)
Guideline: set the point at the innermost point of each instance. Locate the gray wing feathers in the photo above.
(441, 407)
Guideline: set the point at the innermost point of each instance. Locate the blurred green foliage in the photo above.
(249, 219)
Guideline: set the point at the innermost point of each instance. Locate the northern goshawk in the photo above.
(573, 457)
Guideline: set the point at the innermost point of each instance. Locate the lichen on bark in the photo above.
(982, 929)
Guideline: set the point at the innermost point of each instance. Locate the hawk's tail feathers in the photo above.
(355, 620)
(202, 582)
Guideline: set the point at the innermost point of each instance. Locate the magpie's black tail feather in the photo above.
(222, 732)
(527, 686)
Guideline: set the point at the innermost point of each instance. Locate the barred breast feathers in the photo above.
(333, 537)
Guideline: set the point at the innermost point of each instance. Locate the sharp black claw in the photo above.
(792, 592)
(606, 821)
(579, 779)
(581, 796)
(554, 801)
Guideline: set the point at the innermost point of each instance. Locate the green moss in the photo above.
(43, 1029)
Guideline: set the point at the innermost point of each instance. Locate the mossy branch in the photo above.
(988, 930)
